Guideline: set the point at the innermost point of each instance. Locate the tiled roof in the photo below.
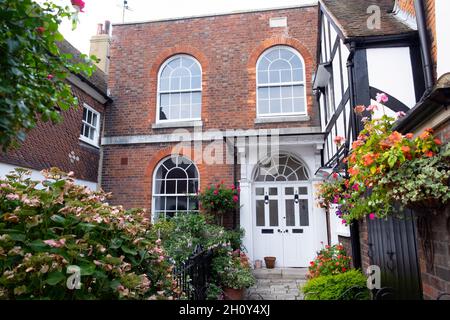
(351, 17)
(98, 79)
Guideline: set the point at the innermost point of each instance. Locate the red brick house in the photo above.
(224, 86)
(73, 144)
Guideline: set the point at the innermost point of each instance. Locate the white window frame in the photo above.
(159, 92)
(154, 194)
(94, 142)
(281, 84)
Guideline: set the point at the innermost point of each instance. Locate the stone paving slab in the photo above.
(277, 284)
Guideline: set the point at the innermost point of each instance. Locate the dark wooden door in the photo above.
(393, 247)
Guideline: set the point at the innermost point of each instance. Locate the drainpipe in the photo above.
(424, 43)
(235, 173)
(354, 227)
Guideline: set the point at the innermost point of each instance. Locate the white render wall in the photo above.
(390, 71)
(36, 175)
(443, 36)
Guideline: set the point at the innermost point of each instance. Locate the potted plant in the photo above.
(234, 273)
(270, 262)
(219, 200)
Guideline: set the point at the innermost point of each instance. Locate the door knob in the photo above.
(286, 231)
(280, 231)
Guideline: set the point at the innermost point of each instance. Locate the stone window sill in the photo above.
(177, 124)
(282, 119)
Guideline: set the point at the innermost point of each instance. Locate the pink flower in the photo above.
(216, 192)
(50, 77)
(335, 175)
(400, 114)
(55, 243)
(235, 198)
(372, 216)
(344, 221)
(339, 140)
(355, 187)
(372, 108)
(158, 242)
(360, 109)
(78, 5)
(364, 120)
(12, 197)
(382, 98)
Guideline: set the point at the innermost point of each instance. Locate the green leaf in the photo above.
(129, 250)
(55, 277)
(58, 219)
(87, 269)
(37, 245)
(115, 243)
(18, 236)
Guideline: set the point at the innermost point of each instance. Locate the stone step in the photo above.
(281, 273)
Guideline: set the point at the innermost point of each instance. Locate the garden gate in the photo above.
(193, 275)
(393, 247)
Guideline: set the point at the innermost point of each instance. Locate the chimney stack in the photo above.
(100, 44)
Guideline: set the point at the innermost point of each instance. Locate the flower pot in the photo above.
(233, 294)
(270, 262)
(258, 264)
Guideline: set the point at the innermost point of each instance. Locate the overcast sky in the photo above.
(97, 11)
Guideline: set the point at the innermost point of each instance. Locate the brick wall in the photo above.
(364, 243)
(436, 275)
(49, 145)
(227, 48)
(128, 172)
(408, 6)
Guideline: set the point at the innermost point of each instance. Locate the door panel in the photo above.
(282, 224)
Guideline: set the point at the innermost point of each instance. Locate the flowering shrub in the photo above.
(386, 167)
(47, 232)
(232, 269)
(219, 200)
(329, 261)
(181, 234)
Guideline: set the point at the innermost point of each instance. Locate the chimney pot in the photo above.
(107, 26)
(99, 28)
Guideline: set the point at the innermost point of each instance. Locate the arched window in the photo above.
(180, 89)
(175, 185)
(281, 168)
(280, 82)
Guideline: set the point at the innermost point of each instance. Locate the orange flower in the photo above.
(429, 154)
(353, 171)
(368, 159)
(425, 135)
(357, 144)
(438, 141)
(406, 149)
(395, 137)
(409, 136)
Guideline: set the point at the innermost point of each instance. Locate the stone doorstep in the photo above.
(281, 273)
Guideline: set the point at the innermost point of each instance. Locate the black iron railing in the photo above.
(194, 274)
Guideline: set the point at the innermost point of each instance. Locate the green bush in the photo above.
(181, 234)
(231, 269)
(334, 287)
(45, 232)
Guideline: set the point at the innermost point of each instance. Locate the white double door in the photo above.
(281, 224)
